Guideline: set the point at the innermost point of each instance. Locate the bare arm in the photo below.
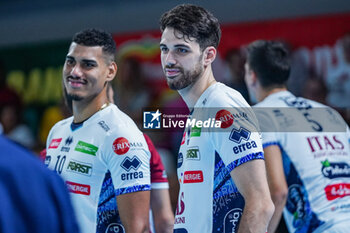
(251, 182)
(163, 215)
(134, 211)
(277, 183)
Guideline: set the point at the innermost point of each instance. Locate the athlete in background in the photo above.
(221, 170)
(306, 147)
(99, 151)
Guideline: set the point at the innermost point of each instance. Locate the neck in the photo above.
(84, 109)
(192, 93)
(266, 92)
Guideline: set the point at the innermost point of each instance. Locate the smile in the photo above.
(76, 83)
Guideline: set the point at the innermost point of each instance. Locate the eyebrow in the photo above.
(83, 60)
(176, 46)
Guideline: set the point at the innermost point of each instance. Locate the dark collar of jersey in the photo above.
(75, 126)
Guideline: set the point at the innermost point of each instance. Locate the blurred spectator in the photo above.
(314, 89)
(32, 198)
(235, 60)
(10, 115)
(131, 93)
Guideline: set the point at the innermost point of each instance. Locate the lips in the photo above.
(172, 72)
(76, 83)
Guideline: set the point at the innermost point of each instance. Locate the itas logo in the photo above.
(86, 148)
(121, 146)
(325, 143)
(225, 117)
(104, 126)
(80, 167)
(129, 164)
(193, 153)
(335, 170)
(193, 177)
(238, 135)
(151, 120)
(180, 209)
(244, 147)
(55, 143)
(231, 220)
(78, 188)
(335, 191)
(67, 143)
(115, 228)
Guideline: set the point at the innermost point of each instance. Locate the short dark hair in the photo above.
(270, 61)
(97, 37)
(193, 21)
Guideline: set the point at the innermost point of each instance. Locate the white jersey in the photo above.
(209, 201)
(103, 157)
(314, 141)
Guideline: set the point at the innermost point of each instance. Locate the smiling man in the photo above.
(221, 171)
(99, 151)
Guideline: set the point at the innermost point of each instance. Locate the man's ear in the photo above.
(112, 71)
(209, 55)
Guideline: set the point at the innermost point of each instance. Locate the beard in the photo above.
(186, 78)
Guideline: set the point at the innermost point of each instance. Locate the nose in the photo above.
(76, 71)
(170, 59)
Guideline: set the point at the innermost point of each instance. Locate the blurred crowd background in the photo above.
(36, 36)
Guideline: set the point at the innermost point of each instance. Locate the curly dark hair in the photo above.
(270, 61)
(97, 37)
(193, 21)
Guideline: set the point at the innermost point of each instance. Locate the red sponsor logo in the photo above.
(183, 138)
(335, 191)
(78, 188)
(55, 143)
(225, 117)
(121, 146)
(193, 177)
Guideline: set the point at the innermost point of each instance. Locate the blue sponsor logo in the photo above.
(115, 228)
(231, 220)
(238, 135)
(180, 159)
(133, 163)
(244, 146)
(335, 170)
(151, 120)
(68, 141)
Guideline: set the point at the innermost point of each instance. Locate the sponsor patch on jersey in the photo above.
(196, 131)
(78, 188)
(79, 167)
(67, 143)
(244, 146)
(54, 144)
(86, 148)
(333, 170)
(231, 220)
(193, 153)
(238, 135)
(180, 159)
(133, 163)
(335, 191)
(193, 177)
(47, 160)
(121, 146)
(180, 230)
(103, 125)
(225, 117)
